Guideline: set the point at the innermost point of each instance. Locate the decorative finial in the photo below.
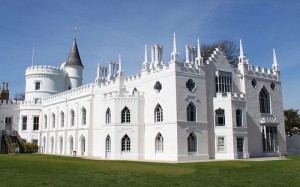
(146, 55)
(241, 49)
(198, 49)
(75, 31)
(174, 44)
(274, 57)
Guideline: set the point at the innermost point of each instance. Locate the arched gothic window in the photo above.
(108, 143)
(53, 120)
(192, 142)
(264, 101)
(83, 110)
(238, 115)
(158, 113)
(72, 118)
(45, 121)
(191, 112)
(159, 143)
(107, 116)
(62, 119)
(125, 115)
(125, 142)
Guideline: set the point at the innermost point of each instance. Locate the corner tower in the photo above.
(73, 67)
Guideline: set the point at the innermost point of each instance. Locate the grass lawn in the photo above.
(42, 170)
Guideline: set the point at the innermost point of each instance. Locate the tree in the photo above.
(292, 121)
(229, 48)
(19, 96)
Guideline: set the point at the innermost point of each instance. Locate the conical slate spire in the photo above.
(74, 57)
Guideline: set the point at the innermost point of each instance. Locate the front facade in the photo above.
(174, 111)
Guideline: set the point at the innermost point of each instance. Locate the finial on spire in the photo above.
(274, 57)
(120, 62)
(146, 55)
(75, 31)
(174, 43)
(198, 49)
(241, 49)
(174, 54)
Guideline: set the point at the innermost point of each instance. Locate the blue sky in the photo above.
(109, 27)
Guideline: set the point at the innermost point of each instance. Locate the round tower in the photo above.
(73, 68)
(43, 81)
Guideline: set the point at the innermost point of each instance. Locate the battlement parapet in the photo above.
(79, 91)
(232, 96)
(44, 70)
(124, 94)
(262, 72)
(30, 104)
(133, 78)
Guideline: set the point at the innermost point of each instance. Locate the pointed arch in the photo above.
(264, 101)
(45, 121)
(44, 144)
(108, 116)
(108, 143)
(83, 116)
(72, 116)
(159, 143)
(125, 142)
(62, 119)
(191, 112)
(61, 145)
(82, 145)
(53, 120)
(192, 142)
(71, 144)
(158, 113)
(52, 144)
(125, 115)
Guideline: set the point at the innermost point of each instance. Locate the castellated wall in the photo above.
(52, 80)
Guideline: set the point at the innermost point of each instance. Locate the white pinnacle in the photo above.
(241, 49)
(274, 57)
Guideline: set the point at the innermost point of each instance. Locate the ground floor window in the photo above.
(221, 144)
(108, 143)
(125, 143)
(192, 143)
(269, 138)
(240, 144)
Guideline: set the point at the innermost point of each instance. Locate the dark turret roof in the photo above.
(74, 57)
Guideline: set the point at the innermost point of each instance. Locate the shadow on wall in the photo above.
(293, 144)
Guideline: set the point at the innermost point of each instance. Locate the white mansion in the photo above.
(174, 111)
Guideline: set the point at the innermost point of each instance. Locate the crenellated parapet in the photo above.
(73, 93)
(231, 96)
(29, 104)
(261, 72)
(33, 70)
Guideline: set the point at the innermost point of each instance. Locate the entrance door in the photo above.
(8, 125)
(240, 147)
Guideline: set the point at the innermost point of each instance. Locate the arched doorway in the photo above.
(82, 145)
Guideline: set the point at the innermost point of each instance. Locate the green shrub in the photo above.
(30, 147)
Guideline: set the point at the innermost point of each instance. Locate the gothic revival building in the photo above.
(172, 111)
